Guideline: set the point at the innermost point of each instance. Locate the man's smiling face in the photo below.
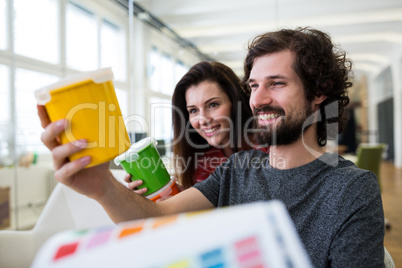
(277, 99)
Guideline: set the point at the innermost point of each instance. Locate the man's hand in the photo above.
(98, 183)
(93, 181)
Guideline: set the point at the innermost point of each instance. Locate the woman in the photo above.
(211, 114)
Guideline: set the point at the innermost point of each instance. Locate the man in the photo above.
(295, 78)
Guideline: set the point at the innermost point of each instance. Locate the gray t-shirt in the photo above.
(335, 206)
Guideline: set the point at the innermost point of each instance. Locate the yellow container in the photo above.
(88, 101)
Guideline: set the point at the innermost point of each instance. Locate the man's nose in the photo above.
(260, 97)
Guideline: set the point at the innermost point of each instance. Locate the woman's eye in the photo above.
(192, 111)
(214, 104)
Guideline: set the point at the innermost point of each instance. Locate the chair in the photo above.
(64, 210)
(388, 261)
(369, 157)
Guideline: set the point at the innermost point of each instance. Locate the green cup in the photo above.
(143, 162)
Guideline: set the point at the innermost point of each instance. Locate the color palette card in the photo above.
(252, 235)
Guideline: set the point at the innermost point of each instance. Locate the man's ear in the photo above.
(318, 100)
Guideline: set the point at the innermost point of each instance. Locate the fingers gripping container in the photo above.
(144, 163)
(88, 101)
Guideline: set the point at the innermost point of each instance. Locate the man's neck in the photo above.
(296, 154)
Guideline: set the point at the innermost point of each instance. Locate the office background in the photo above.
(151, 44)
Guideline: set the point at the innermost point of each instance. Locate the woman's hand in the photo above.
(132, 185)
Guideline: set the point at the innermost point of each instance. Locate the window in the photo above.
(122, 99)
(4, 93)
(179, 71)
(3, 25)
(47, 45)
(161, 72)
(154, 72)
(4, 115)
(167, 78)
(81, 38)
(113, 49)
(36, 36)
(28, 125)
(161, 119)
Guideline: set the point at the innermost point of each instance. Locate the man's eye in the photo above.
(253, 86)
(278, 83)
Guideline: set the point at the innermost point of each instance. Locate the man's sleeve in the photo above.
(359, 242)
(210, 188)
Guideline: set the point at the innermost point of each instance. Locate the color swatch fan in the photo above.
(252, 235)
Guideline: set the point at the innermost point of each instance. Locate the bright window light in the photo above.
(154, 71)
(36, 29)
(167, 81)
(161, 119)
(122, 99)
(4, 93)
(179, 71)
(4, 113)
(81, 39)
(161, 72)
(113, 49)
(3, 25)
(28, 125)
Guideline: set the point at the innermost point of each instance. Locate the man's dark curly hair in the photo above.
(322, 67)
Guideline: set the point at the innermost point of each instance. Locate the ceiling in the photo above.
(369, 30)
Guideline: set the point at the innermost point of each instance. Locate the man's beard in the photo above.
(288, 131)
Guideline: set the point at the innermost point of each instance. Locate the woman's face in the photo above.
(209, 111)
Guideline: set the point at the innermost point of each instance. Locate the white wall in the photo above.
(384, 85)
(397, 92)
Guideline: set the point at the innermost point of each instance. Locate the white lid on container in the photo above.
(132, 153)
(98, 76)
